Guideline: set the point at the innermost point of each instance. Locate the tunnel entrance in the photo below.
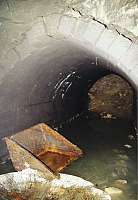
(107, 135)
(55, 57)
(105, 132)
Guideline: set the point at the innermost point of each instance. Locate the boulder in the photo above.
(120, 183)
(29, 185)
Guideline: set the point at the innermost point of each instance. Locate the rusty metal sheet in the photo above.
(48, 146)
(22, 159)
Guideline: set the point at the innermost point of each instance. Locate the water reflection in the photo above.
(109, 159)
(109, 154)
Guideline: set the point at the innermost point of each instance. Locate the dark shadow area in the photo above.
(110, 153)
(52, 87)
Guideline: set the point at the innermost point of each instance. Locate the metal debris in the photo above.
(47, 145)
(22, 159)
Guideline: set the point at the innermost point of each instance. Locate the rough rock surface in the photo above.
(111, 97)
(28, 184)
(122, 13)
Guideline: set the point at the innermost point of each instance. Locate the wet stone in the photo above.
(121, 168)
(120, 183)
(113, 191)
(131, 137)
(128, 146)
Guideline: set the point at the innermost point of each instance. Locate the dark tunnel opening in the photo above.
(109, 143)
(72, 65)
(52, 86)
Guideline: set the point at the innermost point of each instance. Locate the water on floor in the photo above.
(109, 158)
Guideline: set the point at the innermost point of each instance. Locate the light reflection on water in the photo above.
(109, 154)
(105, 159)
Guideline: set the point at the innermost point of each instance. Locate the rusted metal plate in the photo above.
(22, 159)
(48, 146)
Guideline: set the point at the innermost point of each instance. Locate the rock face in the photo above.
(29, 185)
(111, 97)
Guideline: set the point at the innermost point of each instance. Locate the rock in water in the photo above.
(120, 183)
(113, 191)
(111, 97)
(30, 185)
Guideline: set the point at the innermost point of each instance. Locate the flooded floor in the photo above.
(109, 155)
(109, 158)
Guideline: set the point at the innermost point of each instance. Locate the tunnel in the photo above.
(47, 79)
(51, 54)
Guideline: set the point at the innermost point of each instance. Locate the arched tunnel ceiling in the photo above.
(122, 13)
(50, 85)
(35, 89)
(27, 27)
(45, 46)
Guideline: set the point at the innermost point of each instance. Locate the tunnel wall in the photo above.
(46, 65)
(49, 86)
